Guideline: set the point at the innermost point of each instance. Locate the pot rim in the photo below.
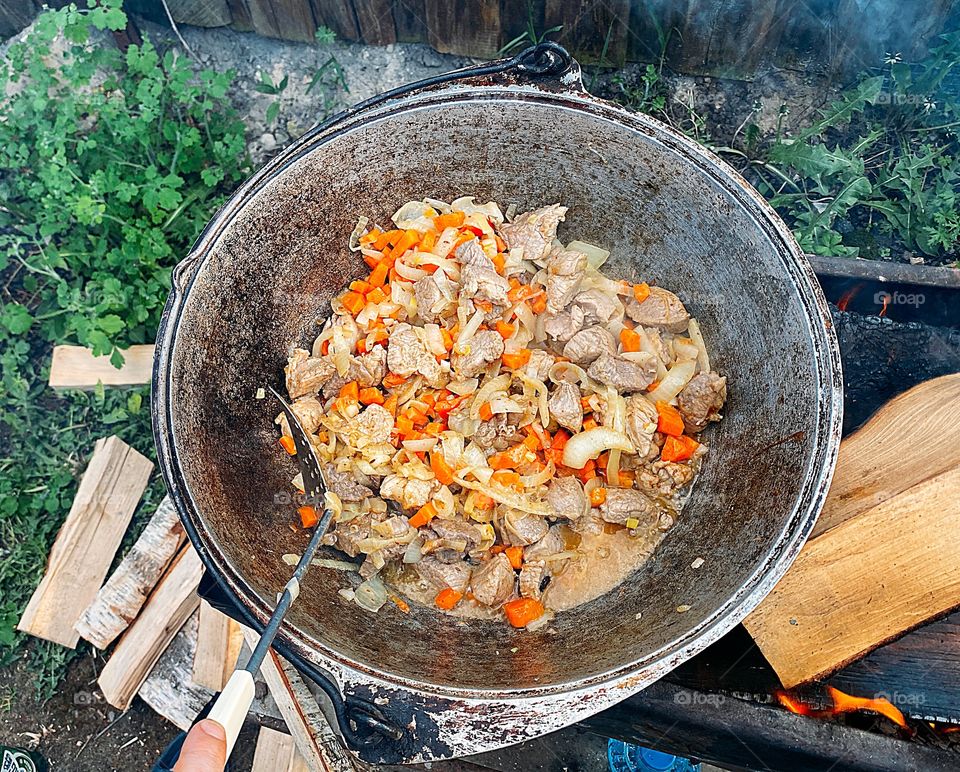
(299, 646)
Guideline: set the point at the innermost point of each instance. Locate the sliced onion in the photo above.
(452, 447)
(673, 383)
(462, 388)
(469, 330)
(505, 405)
(685, 348)
(361, 226)
(468, 206)
(413, 553)
(487, 390)
(420, 446)
(290, 559)
(595, 255)
(408, 215)
(408, 271)
(371, 594)
(581, 447)
(445, 242)
(434, 339)
(508, 497)
(347, 593)
(538, 479)
(703, 358)
(541, 621)
(613, 467)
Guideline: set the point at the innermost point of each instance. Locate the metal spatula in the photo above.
(232, 705)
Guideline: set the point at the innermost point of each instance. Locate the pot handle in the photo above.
(542, 63)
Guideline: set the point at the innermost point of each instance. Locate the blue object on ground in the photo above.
(624, 757)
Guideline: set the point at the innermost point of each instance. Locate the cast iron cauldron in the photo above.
(422, 685)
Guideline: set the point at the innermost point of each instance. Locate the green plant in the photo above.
(111, 163)
(266, 86)
(530, 36)
(324, 35)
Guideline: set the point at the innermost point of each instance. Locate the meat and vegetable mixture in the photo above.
(510, 431)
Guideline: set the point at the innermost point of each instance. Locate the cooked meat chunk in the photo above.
(521, 528)
(623, 504)
(428, 295)
(539, 365)
(588, 344)
(550, 544)
(664, 478)
(496, 434)
(592, 523)
(565, 270)
(661, 309)
(480, 350)
(351, 533)
(409, 492)
(563, 326)
(458, 530)
(534, 231)
(598, 307)
(443, 575)
(701, 400)
(344, 485)
(306, 374)
(493, 582)
(531, 577)
(308, 411)
(478, 276)
(370, 368)
(407, 354)
(564, 405)
(625, 374)
(567, 498)
(392, 528)
(641, 425)
(373, 426)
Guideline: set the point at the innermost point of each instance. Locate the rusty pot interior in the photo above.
(262, 276)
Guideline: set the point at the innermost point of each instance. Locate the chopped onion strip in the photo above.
(487, 390)
(361, 226)
(595, 255)
(508, 497)
(676, 379)
(371, 594)
(581, 447)
(703, 358)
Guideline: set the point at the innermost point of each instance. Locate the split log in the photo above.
(75, 367)
(863, 583)
(218, 646)
(170, 605)
(318, 744)
(277, 752)
(121, 598)
(109, 492)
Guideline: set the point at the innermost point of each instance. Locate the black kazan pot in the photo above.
(423, 685)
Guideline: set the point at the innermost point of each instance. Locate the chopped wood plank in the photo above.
(864, 582)
(240, 15)
(285, 19)
(316, 741)
(170, 605)
(276, 752)
(218, 646)
(338, 15)
(375, 20)
(201, 13)
(169, 689)
(410, 19)
(912, 438)
(463, 27)
(75, 367)
(595, 33)
(121, 598)
(106, 499)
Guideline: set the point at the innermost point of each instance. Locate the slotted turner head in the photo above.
(314, 483)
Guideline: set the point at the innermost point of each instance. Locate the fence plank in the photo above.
(240, 12)
(285, 19)
(338, 15)
(15, 15)
(595, 32)
(375, 20)
(464, 27)
(201, 13)
(410, 19)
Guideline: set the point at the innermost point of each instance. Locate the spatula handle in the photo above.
(233, 704)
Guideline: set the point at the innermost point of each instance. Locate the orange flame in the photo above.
(886, 302)
(847, 296)
(843, 703)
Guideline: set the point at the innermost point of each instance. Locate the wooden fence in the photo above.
(722, 37)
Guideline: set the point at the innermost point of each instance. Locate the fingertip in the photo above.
(210, 727)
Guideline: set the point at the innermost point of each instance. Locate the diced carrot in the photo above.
(392, 380)
(538, 304)
(629, 339)
(362, 346)
(506, 478)
(585, 403)
(589, 470)
(501, 244)
(441, 469)
(424, 515)
(484, 305)
(360, 286)
(387, 237)
(589, 423)
(522, 292)
(287, 444)
(669, 420)
(448, 598)
(371, 396)
(478, 232)
(308, 516)
(515, 556)
(370, 236)
(496, 549)
(378, 276)
(371, 261)
(485, 412)
(404, 425)
(531, 442)
(409, 239)
(353, 302)
(376, 295)
(505, 329)
(390, 403)
(499, 262)
(519, 359)
(679, 448)
(350, 390)
(400, 603)
(325, 347)
(435, 429)
(449, 220)
(482, 501)
(428, 242)
(447, 339)
(598, 496)
(602, 460)
(522, 611)
(641, 291)
(560, 439)
(653, 386)
(463, 238)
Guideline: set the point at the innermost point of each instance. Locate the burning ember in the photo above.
(843, 703)
(886, 302)
(849, 295)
